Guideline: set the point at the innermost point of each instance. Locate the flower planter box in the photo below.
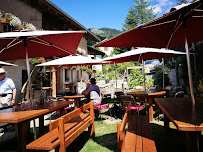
(4, 20)
(21, 27)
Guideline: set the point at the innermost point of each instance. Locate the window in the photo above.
(105, 48)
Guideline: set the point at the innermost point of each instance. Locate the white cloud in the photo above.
(171, 3)
(163, 6)
(157, 9)
(163, 2)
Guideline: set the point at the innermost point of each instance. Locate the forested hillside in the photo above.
(103, 33)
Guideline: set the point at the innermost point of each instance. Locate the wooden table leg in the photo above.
(21, 136)
(150, 101)
(76, 104)
(166, 132)
(62, 111)
(41, 125)
(192, 141)
(166, 123)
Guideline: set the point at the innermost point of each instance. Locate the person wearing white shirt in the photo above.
(7, 90)
(94, 92)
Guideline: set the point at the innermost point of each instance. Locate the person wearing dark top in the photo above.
(94, 92)
(68, 92)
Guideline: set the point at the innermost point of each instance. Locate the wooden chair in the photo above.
(137, 137)
(104, 104)
(126, 99)
(118, 99)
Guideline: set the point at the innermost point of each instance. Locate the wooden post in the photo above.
(1, 28)
(50, 80)
(27, 92)
(81, 75)
(92, 129)
(61, 135)
(58, 81)
(150, 101)
(53, 82)
(71, 75)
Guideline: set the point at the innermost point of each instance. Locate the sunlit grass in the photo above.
(105, 138)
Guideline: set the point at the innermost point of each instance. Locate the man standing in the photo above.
(7, 90)
(94, 92)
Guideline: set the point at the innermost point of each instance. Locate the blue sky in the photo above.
(105, 13)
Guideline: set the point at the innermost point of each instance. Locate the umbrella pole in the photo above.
(143, 71)
(28, 72)
(189, 71)
(115, 74)
(163, 73)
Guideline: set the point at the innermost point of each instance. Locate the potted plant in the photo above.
(29, 26)
(15, 22)
(37, 60)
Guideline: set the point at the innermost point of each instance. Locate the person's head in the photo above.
(2, 73)
(93, 81)
(67, 89)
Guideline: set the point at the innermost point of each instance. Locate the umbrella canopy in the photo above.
(143, 54)
(6, 64)
(72, 61)
(181, 26)
(31, 44)
(38, 43)
(165, 32)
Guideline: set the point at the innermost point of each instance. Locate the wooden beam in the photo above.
(58, 81)
(53, 82)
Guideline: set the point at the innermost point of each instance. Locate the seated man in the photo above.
(93, 91)
(68, 92)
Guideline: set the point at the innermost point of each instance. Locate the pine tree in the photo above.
(140, 13)
(181, 1)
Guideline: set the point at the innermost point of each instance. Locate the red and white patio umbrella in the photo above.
(31, 44)
(6, 64)
(73, 61)
(178, 27)
(143, 54)
(13, 45)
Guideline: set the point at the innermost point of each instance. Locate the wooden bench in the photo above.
(64, 130)
(138, 136)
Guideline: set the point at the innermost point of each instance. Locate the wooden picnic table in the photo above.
(21, 118)
(150, 95)
(185, 117)
(76, 99)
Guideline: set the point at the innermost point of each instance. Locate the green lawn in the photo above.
(106, 138)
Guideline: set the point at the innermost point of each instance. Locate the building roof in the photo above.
(46, 6)
(93, 51)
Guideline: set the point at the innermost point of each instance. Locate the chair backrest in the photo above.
(118, 94)
(95, 97)
(106, 99)
(126, 99)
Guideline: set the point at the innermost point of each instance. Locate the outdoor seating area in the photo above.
(59, 91)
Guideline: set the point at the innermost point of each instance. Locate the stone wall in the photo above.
(15, 73)
(25, 12)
